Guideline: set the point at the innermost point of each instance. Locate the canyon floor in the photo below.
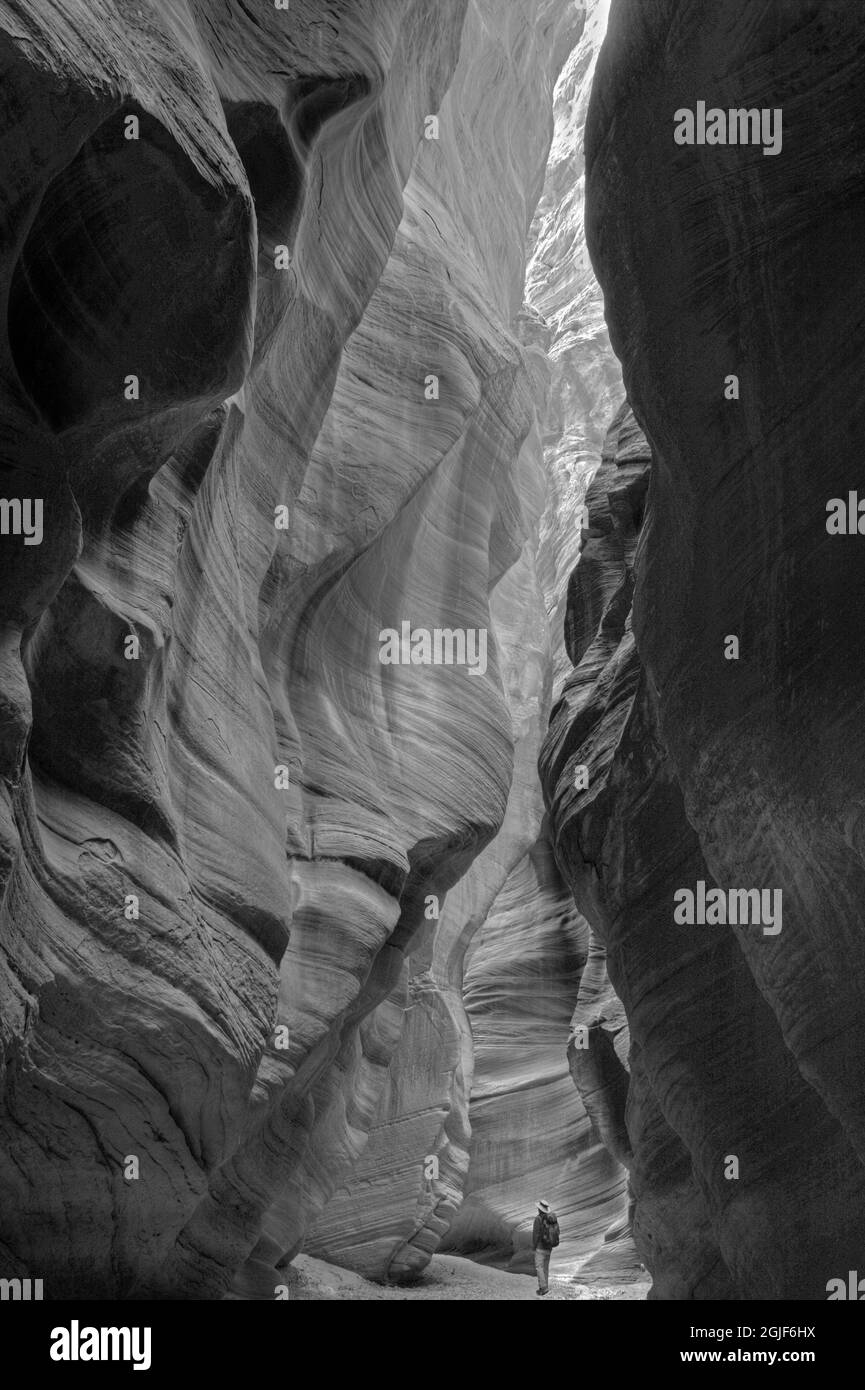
(449, 1278)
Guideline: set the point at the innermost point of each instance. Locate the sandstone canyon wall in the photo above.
(235, 264)
(528, 1138)
(479, 1086)
(738, 770)
(297, 952)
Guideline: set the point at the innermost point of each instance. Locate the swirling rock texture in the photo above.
(494, 1023)
(563, 295)
(445, 300)
(740, 772)
(268, 141)
(411, 1176)
(234, 264)
(529, 1138)
(501, 1024)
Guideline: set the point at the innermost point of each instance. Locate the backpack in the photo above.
(549, 1230)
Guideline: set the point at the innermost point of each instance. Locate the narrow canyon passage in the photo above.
(430, 709)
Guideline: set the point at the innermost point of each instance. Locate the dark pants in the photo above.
(542, 1266)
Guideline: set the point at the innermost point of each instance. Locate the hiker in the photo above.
(545, 1238)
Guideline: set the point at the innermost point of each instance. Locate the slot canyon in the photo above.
(318, 971)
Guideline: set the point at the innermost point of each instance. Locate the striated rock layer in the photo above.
(400, 1197)
(492, 986)
(564, 300)
(154, 1036)
(740, 772)
(263, 370)
(444, 304)
(531, 1136)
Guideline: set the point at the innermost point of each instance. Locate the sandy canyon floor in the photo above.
(448, 1277)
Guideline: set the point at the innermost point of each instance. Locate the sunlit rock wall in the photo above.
(223, 320)
(401, 1196)
(528, 1134)
(397, 1202)
(531, 1137)
(533, 1140)
(564, 296)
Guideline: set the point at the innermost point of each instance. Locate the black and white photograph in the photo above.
(432, 721)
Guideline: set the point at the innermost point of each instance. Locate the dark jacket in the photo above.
(539, 1232)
